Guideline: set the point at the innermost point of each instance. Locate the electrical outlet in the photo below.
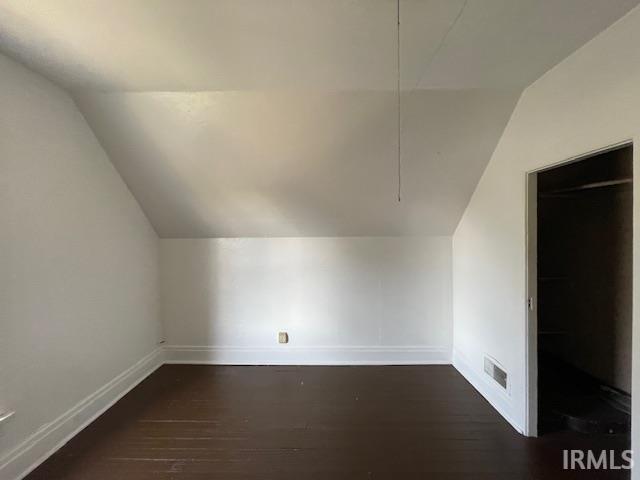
(283, 337)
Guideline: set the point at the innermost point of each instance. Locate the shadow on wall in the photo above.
(325, 292)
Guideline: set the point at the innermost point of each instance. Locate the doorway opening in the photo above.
(582, 230)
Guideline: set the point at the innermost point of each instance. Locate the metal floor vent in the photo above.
(495, 372)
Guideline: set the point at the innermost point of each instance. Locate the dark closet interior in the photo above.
(584, 294)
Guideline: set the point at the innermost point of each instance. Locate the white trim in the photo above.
(531, 273)
(499, 400)
(295, 355)
(531, 320)
(20, 461)
(628, 142)
(24, 458)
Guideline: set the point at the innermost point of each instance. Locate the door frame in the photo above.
(531, 280)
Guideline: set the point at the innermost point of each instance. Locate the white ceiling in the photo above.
(288, 164)
(195, 45)
(277, 118)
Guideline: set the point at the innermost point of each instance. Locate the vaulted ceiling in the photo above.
(279, 117)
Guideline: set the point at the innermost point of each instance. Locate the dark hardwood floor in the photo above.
(189, 422)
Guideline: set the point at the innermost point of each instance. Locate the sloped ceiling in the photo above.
(278, 118)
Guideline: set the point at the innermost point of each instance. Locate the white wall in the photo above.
(589, 101)
(78, 267)
(342, 300)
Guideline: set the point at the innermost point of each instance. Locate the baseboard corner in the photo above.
(25, 457)
(499, 401)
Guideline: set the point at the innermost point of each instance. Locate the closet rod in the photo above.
(589, 186)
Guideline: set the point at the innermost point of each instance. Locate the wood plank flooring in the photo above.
(188, 422)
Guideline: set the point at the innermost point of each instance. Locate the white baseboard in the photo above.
(24, 458)
(289, 355)
(499, 400)
(42, 444)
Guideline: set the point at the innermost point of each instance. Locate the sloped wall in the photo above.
(589, 101)
(78, 263)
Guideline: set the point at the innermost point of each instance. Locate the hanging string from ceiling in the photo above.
(398, 101)
(420, 77)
